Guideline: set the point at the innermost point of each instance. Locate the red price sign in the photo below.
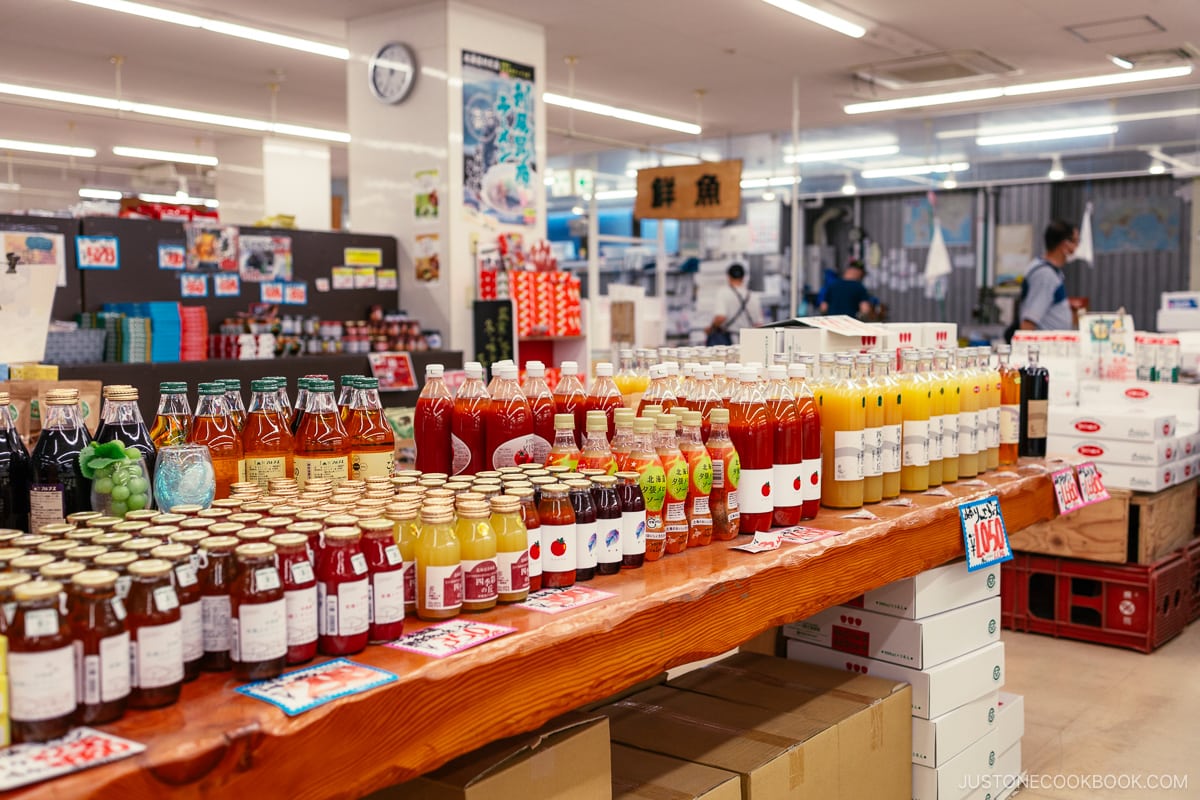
(97, 252)
(1091, 484)
(171, 256)
(394, 371)
(984, 535)
(450, 637)
(1066, 491)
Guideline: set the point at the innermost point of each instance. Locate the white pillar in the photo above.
(274, 175)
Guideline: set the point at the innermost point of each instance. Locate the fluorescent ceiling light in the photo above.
(179, 198)
(823, 18)
(620, 113)
(222, 27)
(1107, 119)
(841, 155)
(762, 183)
(92, 193)
(950, 182)
(1019, 90)
(169, 112)
(165, 155)
(578, 211)
(49, 149)
(768, 196)
(1121, 62)
(1046, 136)
(916, 169)
(10, 187)
(616, 194)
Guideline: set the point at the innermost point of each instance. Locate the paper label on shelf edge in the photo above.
(985, 537)
(303, 689)
(556, 600)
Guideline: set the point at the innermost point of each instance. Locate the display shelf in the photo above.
(701, 603)
(551, 338)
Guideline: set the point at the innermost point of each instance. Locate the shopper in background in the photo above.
(736, 307)
(847, 295)
(1043, 292)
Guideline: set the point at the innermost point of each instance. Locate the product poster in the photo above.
(427, 262)
(425, 194)
(97, 252)
(500, 171)
(226, 286)
(386, 280)
(295, 294)
(193, 285)
(321, 285)
(362, 256)
(271, 292)
(211, 248)
(26, 297)
(172, 255)
(262, 259)
(342, 277)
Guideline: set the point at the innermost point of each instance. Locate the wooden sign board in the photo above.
(495, 331)
(694, 191)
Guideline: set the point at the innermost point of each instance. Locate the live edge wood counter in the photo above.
(216, 743)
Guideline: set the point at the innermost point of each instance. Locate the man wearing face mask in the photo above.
(1044, 303)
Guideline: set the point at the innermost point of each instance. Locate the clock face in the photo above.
(392, 72)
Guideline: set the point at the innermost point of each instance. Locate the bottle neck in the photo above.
(234, 401)
(719, 432)
(122, 411)
(595, 440)
(564, 437)
(267, 402)
(212, 405)
(174, 405)
(664, 440)
(321, 403)
(1033, 357)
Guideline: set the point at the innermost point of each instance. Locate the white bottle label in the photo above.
(537, 448)
(392, 554)
(718, 465)
(609, 532)
(260, 631)
(45, 505)
(755, 491)
(41, 622)
(587, 544)
(351, 608)
(192, 617)
(700, 507)
(301, 614)
(185, 574)
(993, 428)
(848, 447)
(512, 572)
(949, 436)
(534, 537)
(266, 579)
(42, 685)
(388, 593)
(967, 445)
(675, 518)
(358, 562)
(810, 488)
(787, 485)
(873, 459)
(460, 455)
(113, 664)
(513, 453)
(558, 548)
(891, 449)
(1010, 424)
(443, 589)
(302, 571)
(165, 599)
(633, 533)
(158, 655)
(215, 615)
(935, 438)
(916, 443)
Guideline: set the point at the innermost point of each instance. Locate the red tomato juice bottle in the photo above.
(787, 480)
(557, 530)
(810, 435)
(571, 398)
(541, 408)
(751, 431)
(652, 480)
(432, 421)
(467, 438)
(509, 423)
(605, 396)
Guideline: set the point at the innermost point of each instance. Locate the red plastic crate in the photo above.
(1132, 605)
(1191, 554)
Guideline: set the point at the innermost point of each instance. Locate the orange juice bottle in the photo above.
(622, 441)
(509, 423)
(810, 433)
(564, 450)
(439, 564)
(992, 389)
(914, 465)
(676, 470)
(824, 375)
(893, 423)
(596, 452)
(233, 399)
(571, 398)
(322, 447)
(937, 407)
(950, 405)
(968, 416)
(659, 392)
(753, 437)
(605, 396)
(174, 418)
(214, 428)
(627, 379)
(1010, 406)
(843, 433)
(372, 440)
(467, 433)
(700, 479)
(652, 480)
(873, 455)
(267, 441)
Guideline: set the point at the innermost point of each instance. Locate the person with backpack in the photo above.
(736, 307)
(1044, 304)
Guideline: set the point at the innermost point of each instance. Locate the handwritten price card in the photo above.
(80, 749)
(298, 691)
(984, 534)
(1066, 490)
(97, 252)
(556, 601)
(1091, 485)
(450, 637)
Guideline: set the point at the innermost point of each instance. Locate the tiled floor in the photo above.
(1093, 710)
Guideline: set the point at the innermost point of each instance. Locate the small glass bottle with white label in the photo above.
(216, 582)
(386, 568)
(191, 611)
(258, 615)
(156, 635)
(41, 664)
(97, 619)
(299, 592)
(343, 593)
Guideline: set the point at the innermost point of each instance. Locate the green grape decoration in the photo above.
(120, 482)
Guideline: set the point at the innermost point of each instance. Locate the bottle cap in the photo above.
(643, 425)
(666, 422)
(62, 397)
(474, 370)
(717, 367)
(692, 419)
(719, 416)
(368, 383)
(776, 372)
(570, 368)
(604, 369)
(211, 389)
(172, 387)
(623, 417)
(95, 578)
(564, 422)
(672, 368)
(747, 374)
(149, 568)
(255, 550)
(262, 386)
(36, 590)
(795, 370)
(434, 370)
(61, 570)
(120, 394)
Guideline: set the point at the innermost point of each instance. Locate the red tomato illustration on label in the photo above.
(558, 547)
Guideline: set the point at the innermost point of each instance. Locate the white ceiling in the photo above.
(651, 55)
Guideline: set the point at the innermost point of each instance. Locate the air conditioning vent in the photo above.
(1166, 57)
(933, 69)
(1111, 29)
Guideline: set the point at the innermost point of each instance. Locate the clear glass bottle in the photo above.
(1010, 407)
(41, 664)
(439, 565)
(512, 548)
(215, 428)
(1035, 399)
(914, 467)
(173, 421)
(156, 635)
(843, 426)
(233, 401)
(322, 449)
(951, 406)
(97, 618)
(348, 384)
(968, 415)
(660, 392)
(267, 441)
(937, 407)
(258, 615)
(477, 543)
(372, 441)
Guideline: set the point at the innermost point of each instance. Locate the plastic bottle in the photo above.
(992, 389)
(722, 385)
(674, 381)
(873, 434)
(15, 473)
(968, 417)
(622, 441)
(652, 479)
(496, 367)
(564, 451)
(628, 381)
(787, 479)
(541, 408)
(727, 471)
(174, 418)
(1010, 407)
(372, 441)
(914, 465)
(233, 400)
(431, 423)
(1035, 394)
(700, 476)
(751, 431)
(558, 537)
(705, 398)
(605, 396)
(322, 446)
(675, 468)
(937, 407)
(509, 423)
(467, 426)
(659, 392)
(571, 398)
(843, 424)
(596, 452)
(267, 441)
(950, 409)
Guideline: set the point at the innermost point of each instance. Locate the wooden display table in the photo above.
(701, 603)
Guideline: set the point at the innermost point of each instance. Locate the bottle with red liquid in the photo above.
(596, 453)
(509, 423)
(633, 520)
(432, 423)
(722, 383)
(258, 615)
(659, 392)
(565, 451)
(385, 566)
(753, 436)
(705, 398)
(541, 407)
(810, 436)
(496, 367)
(214, 428)
(557, 518)
(372, 441)
(622, 441)
(343, 593)
(674, 382)
(322, 446)
(41, 664)
(652, 480)
(700, 473)
(605, 396)
(533, 529)
(726, 474)
(571, 398)
(299, 594)
(788, 473)
(467, 428)
(675, 468)
(586, 529)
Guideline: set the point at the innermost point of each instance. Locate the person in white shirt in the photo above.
(736, 307)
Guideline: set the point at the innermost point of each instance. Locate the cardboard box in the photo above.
(935, 335)
(935, 690)
(1000, 782)
(937, 740)
(1010, 720)
(910, 643)
(956, 778)
(834, 334)
(1129, 425)
(1113, 451)
(776, 753)
(932, 591)
(565, 759)
(1181, 399)
(1141, 479)
(641, 774)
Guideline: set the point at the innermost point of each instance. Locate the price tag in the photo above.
(395, 371)
(555, 601)
(297, 692)
(227, 285)
(97, 252)
(450, 637)
(80, 749)
(1091, 485)
(193, 285)
(295, 293)
(171, 256)
(801, 534)
(984, 535)
(1066, 490)
(862, 513)
(764, 541)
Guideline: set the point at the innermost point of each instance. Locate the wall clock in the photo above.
(392, 72)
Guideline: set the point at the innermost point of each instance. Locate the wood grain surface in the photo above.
(216, 743)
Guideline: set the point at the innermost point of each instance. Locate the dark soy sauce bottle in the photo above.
(1035, 402)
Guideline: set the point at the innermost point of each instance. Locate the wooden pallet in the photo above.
(1132, 527)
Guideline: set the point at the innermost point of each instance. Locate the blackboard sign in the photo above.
(495, 331)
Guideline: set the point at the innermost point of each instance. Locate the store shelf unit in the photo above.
(689, 606)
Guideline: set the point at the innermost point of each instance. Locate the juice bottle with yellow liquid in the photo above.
(843, 435)
(439, 564)
(873, 455)
(824, 374)
(950, 408)
(214, 428)
(174, 418)
(675, 466)
(937, 407)
(914, 463)
(992, 388)
(477, 545)
(322, 447)
(628, 381)
(893, 423)
(267, 441)
(1010, 406)
(968, 416)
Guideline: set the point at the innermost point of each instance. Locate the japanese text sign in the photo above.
(984, 534)
(1066, 490)
(80, 749)
(97, 252)
(450, 637)
(1091, 485)
(693, 191)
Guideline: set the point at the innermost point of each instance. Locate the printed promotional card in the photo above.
(304, 689)
(763, 542)
(1066, 490)
(364, 278)
(555, 601)
(804, 535)
(270, 293)
(450, 637)
(81, 749)
(226, 285)
(1091, 485)
(295, 293)
(984, 534)
(343, 277)
(193, 285)
(97, 252)
(171, 255)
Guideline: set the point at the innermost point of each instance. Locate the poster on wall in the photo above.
(1014, 251)
(955, 212)
(425, 195)
(500, 170)
(211, 248)
(262, 259)
(426, 259)
(46, 249)
(1136, 224)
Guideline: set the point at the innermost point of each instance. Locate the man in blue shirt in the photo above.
(1044, 303)
(847, 295)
